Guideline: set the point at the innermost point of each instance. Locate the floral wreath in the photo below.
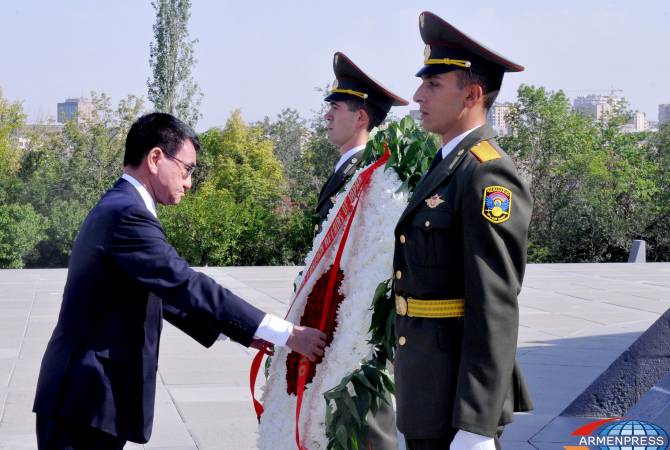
(346, 292)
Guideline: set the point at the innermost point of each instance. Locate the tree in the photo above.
(12, 121)
(172, 88)
(65, 171)
(233, 216)
(288, 133)
(21, 228)
(593, 185)
(657, 232)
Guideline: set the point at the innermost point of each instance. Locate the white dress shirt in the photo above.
(272, 328)
(451, 145)
(348, 154)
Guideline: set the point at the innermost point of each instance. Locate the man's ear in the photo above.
(475, 94)
(154, 155)
(363, 119)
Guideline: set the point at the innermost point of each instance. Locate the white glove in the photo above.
(464, 440)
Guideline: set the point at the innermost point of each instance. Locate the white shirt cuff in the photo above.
(464, 440)
(274, 330)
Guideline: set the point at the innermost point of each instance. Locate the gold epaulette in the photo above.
(484, 151)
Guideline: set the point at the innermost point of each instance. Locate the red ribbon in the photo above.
(346, 213)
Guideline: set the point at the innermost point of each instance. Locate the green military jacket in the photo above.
(464, 236)
(332, 186)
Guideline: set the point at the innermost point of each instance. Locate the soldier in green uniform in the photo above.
(358, 103)
(460, 256)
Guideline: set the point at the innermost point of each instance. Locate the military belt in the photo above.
(431, 309)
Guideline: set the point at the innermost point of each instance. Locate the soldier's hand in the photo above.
(307, 341)
(464, 440)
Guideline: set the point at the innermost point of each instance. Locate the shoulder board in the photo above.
(484, 151)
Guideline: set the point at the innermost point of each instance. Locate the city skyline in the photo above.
(264, 59)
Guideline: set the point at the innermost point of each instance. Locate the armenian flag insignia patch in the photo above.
(497, 204)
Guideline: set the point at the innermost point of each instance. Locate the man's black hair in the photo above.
(490, 85)
(376, 116)
(157, 130)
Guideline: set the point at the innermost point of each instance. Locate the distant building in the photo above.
(79, 107)
(652, 126)
(637, 123)
(663, 113)
(596, 106)
(497, 118)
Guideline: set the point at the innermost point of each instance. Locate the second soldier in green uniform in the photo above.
(357, 105)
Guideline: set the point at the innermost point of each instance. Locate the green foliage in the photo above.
(594, 187)
(411, 150)
(12, 120)
(172, 88)
(240, 160)
(309, 171)
(65, 171)
(238, 213)
(21, 228)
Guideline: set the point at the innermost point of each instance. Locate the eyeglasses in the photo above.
(189, 167)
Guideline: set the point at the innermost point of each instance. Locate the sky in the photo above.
(264, 56)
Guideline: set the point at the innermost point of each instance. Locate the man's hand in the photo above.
(259, 344)
(464, 440)
(307, 341)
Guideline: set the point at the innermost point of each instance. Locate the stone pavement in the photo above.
(575, 320)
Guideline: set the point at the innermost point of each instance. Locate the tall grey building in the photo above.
(663, 113)
(81, 107)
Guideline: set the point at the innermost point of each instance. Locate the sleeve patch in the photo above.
(497, 204)
(484, 151)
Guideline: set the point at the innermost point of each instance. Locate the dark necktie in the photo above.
(437, 160)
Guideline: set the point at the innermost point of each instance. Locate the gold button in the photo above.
(400, 305)
(402, 340)
(402, 239)
(427, 224)
(398, 274)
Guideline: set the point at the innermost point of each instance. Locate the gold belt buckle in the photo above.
(400, 305)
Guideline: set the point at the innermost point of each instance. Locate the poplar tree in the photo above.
(172, 88)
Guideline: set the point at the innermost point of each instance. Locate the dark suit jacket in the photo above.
(461, 372)
(101, 361)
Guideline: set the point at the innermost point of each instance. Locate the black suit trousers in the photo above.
(61, 433)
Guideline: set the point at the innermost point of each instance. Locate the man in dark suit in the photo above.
(460, 256)
(358, 103)
(97, 382)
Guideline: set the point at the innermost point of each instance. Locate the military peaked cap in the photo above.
(447, 49)
(352, 83)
